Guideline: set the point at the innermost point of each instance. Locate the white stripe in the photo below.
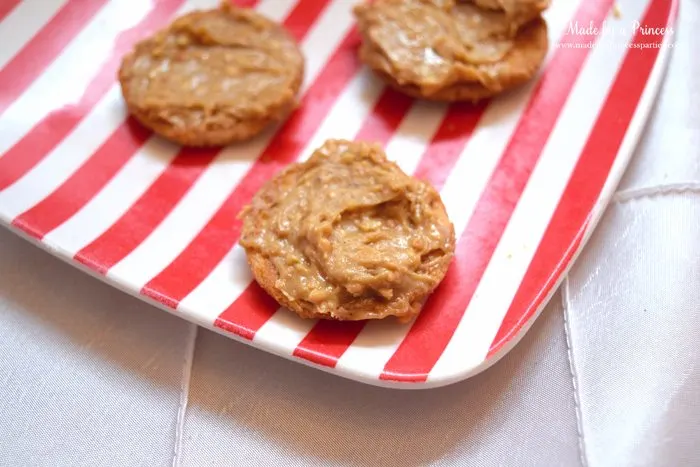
(282, 332)
(220, 288)
(324, 37)
(348, 114)
(23, 23)
(210, 191)
(273, 10)
(232, 276)
(472, 338)
(372, 348)
(73, 69)
(366, 357)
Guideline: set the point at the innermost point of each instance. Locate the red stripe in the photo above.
(449, 142)
(218, 236)
(253, 311)
(52, 129)
(385, 118)
(571, 218)
(443, 311)
(329, 340)
(6, 7)
(303, 16)
(43, 48)
(246, 3)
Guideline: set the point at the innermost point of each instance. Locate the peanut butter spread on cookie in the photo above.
(435, 43)
(348, 235)
(229, 61)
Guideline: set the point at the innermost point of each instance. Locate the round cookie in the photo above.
(347, 235)
(213, 77)
(446, 51)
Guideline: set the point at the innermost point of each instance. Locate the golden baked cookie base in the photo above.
(359, 308)
(219, 124)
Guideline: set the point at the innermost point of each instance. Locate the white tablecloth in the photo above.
(608, 376)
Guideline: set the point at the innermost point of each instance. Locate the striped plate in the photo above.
(525, 177)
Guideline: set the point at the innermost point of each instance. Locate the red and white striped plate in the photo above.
(524, 177)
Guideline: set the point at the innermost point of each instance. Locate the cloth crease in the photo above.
(184, 393)
(631, 194)
(566, 307)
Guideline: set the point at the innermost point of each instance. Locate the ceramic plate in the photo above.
(524, 177)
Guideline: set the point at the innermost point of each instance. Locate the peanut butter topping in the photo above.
(435, 43)
(349, 235)
(228, 60)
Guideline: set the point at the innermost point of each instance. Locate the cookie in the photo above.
(447, 51)
(213, 77)
(347, 235)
